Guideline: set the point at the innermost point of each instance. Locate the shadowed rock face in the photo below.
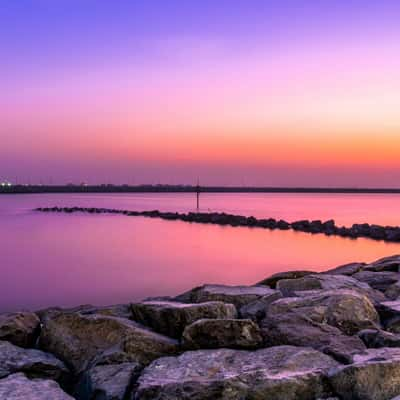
(376, 338)
(378, 280)
(20, 328)
(391, 263)
(108, 382)
(171, 318)
(78, 339)
(257, 309)
(237, 295)
(218, 333)
(273, 279)
(18, 387)
(279, 373)
(34, 363)
(375, 375)
(346, 269)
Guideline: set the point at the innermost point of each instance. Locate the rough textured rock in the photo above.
(34, 363)
(279, 373)
(272, 280)
(378, 280)
(345, 309)
(391, 263)
(77, 339)
(390, 315)
(217, 333)
(20, 328)
(19, 387)
(289, 287)
(376, 338)
(256, 310)
(171, 318)
(108, 382)
(393, 291)
(237, 295)
(346, 269)
(298, 330)
(375, 375)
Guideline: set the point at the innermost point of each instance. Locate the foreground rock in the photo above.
(171, 318)
(279, 373)
(378, 280)
(273, 279)
(344, 309)
(237, 295)
(79, 339)
(391, 263)
(19, 387)
(257, 309)
(346, 269)
(297, 330)
(20, 328)
(108, 382)
(34, 363)
(289, 287)
(217, 333)
(376, 338)
(375, 375)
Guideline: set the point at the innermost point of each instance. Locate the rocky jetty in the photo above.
(329, 228)
(296, 335)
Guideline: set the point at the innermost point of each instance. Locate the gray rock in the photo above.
(272, 280)
(19, 387)
(376, 338)
(20, 328)
(108, 382)
(347, 310)
(346, 269)
(34, 363)
(289, 287)
(391, 263)
(374, 375)
(237, 295)
(217, 333)
(378, 280)
(390, 315)
(78, 339)
(393, 291)
(256, 310)
(171, 318)
(298, 330)
(278, 373)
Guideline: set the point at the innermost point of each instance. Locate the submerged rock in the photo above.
(171, 318)
(19, 387)
(34, 363)
(237, 295)
(78, 339)
(374, 375)
(217, 333)
(278, 373)
(21, 329)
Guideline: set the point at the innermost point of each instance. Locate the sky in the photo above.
(244, 92)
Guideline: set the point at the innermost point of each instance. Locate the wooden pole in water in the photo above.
(198, 194)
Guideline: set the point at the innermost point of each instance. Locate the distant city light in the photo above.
(5, 184)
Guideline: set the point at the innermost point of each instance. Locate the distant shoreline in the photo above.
(30, 189)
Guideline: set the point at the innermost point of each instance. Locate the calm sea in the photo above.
(66, 260)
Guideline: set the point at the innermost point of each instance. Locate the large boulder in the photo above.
(376, 338)
(256, 309)
(21, 329)
(378, 280)
(217, 333)
(272, 280)
(346, 269)
(289, 287)
(278, 373)
(374, 375)
(391, 263)
(237, 295)
(78, 339)
(299, 330)
(19, 387)
(34, 363)
(171, 317)
(108, 382)
(345, 309)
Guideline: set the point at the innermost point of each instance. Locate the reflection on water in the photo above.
(57, 259)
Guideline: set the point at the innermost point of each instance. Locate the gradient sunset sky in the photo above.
(287, 93)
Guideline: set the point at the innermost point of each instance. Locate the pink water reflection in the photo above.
(58, 259)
